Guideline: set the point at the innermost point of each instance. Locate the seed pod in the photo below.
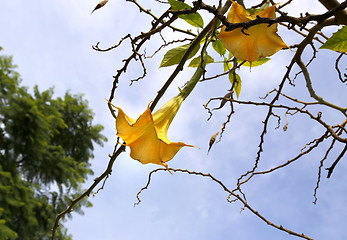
(100, 5)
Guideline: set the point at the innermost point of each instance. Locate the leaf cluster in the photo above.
(45, 147)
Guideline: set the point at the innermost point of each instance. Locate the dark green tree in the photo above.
(45, 147)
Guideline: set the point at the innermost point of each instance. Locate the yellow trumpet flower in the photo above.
(147, 136)
(255, 42)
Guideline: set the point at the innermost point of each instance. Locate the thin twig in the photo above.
(220, 183)
(88, 191)
(338, 70)
(332, 167)
(192, 46)
(320, 170)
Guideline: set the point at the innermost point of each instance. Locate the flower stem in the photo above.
(195, 42)
(195, 78)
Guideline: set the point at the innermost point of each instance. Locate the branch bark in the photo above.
(341, 16)
(279, 227)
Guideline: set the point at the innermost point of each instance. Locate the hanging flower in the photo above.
(255, 42)
(147, 136)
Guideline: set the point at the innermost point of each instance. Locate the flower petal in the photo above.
(238, 14)
(129, 129)
(143, 139)
(163, 116)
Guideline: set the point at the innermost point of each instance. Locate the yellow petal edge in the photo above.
(147, 136)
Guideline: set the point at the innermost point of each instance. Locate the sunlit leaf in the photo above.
(227, 65)
(230, 55)
(261, 61)
(100, 5)
(236, 82)
(193, 19)
(174, 56)
(212, 140)
(338, 41)
(224, 100)
(263, 7)
(196, 61)
(219, 47)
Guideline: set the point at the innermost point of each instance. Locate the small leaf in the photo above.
(338, 41)
(100, 5)
(230, 55)
(255, 10)
(196, 61)
(174, 56)
(227, 65)
(219, 47)
(212, 140)
(233, 77)
(252, 10)
(224, 101)
(261, 61)
(193, 19)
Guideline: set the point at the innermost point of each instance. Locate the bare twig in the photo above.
(320, 170)
(316, 118)
(236, 196)
(97, 180)
(331, 4)
(97, 48)
(149, 12)
(313, 93)
(332, 167)
(338, 70)
(281, 166)
(195, 42)
(295, 59)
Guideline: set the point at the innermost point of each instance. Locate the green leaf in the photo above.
(6, 232)
(230, 55)
(233, 77)
(255, 10)
(219, 47)
(53, 138)
(227, 65)
(193, 19)
(174, 56)
(196, 61)
(261, 61)
(338, 41)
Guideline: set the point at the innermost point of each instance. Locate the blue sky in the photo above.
(51, 44)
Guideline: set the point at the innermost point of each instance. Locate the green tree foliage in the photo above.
(45, 148)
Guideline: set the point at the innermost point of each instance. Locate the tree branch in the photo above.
(331, 4)
(279, 227)
(89, 190)
(331, 169)
(192, 46)
(313, 93)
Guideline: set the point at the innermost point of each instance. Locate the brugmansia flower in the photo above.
(147, 136)
(255, 42)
